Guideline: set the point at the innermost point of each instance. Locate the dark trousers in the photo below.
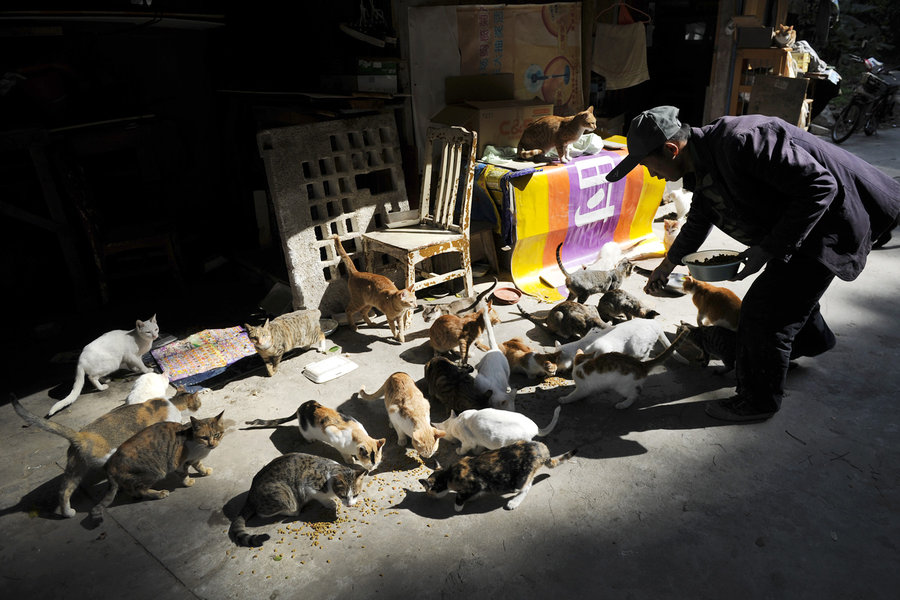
(780, 320)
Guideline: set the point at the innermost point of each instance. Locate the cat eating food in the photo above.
(90, 447)
(371, 290)
(547, 133)
(289, 482)
(584, 283)
(298, 329)
(493, 374)
(713, 341)
(449, 332)
(408, 412)
(147, 387)
(504, 470)
(489, 429)
(114, 350)
(618, 305)
(454, 385)
(343, 433)
(152, 453)
(568, 320)
(715, 305)
(522, 359)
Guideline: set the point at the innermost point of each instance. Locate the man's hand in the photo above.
(659, 278)
(754, 259)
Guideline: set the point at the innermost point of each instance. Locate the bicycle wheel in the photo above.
(846, 123)
(874, 119)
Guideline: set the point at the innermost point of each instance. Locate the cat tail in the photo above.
(560, 263)
(558, 460)
(541, 323)
(348, 262)
(481, 296)
(261, 423)
(552, 424)
(377, 394)
(32, 419)
(642, 271)
(73, 395)
(662, 356)
(238, 530)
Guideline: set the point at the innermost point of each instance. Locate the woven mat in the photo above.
(202, 352)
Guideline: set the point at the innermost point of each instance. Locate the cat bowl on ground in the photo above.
(328, 326)
(712, 265)
(507, 295)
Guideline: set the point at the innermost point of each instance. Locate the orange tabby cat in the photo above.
(715, 305)
(409, 413)
(550, 132)
(449, 332)
(368, 290)
(525, 360)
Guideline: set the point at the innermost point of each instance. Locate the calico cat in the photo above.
(618, 305)
(672, 227)
(371, 290)
(715, 305)
(152, 453)
(449, 332)
(409, 413)
(493, 374)
(504, 470)
(522, 359)
(547, 133)
(615, 371)
(147, 387)
(583, 283)
(489, 429)
(298, 329)
(114, 350)
(453, 385)
(784, 36)
(568, 320)
(459, 307)
(713, 342)
(343, 433)
(289, 482)
(90, 447)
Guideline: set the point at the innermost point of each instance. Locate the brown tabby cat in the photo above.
(715, 305)
(454, 386)
(618, 306)
(91, 447)
(152, 453)
(298, 329)
(449, 332)
(550, 132)
(409, 413)
(568, 321)
(290, 481)
(343, 433)
(508, 469)
(368, 290)
(523, 359)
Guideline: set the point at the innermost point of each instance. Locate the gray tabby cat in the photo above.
(114, 350)
(568, 321)
(583, 283)
(152, 453)
(618, 305)
(298, 329)
(454, 385)
(287, 483)
(713, 341)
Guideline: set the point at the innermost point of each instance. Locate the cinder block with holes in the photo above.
(332, 177)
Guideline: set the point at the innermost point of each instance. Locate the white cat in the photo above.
(489, 428)
(493, 373)
(147, 387)
(114, 350)
(635, 337)
(682, 199)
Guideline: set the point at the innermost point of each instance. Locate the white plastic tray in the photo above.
(328, 369)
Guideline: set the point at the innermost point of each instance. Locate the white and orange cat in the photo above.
(523, 359)
(672, 229)
(715, 305)
(409, 413)
(371, 290)
(552, 131)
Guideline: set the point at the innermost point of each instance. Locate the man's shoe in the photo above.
(738, 409)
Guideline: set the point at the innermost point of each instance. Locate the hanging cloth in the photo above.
(620, 55)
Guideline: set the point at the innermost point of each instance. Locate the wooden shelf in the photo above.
(749, 63)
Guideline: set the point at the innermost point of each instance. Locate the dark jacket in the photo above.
(790, 191)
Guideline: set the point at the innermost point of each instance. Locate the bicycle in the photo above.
(872, 101)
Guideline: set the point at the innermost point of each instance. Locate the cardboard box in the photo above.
(498, 122)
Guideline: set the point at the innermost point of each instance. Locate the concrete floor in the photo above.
(661, 502)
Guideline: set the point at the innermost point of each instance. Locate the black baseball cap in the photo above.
(647, 132)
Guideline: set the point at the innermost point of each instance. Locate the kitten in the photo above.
(672, 229)
(152, 453)
(618, 305)
(501, 471)
(493, 374)
(371, 290)
(91, 447)
(636, 338)
(784, 36)
(298, 329)
(715, 305)
(615, 371)
(489, 429)
(547, 133)
(147, 387)
(289, 482)
(583, 283)
(459, 307)
(114, 350)
(522, 359)
(713, 342)
(409, 413)
(453, 385)
(449, 332)
(568, 320)
(343, 433)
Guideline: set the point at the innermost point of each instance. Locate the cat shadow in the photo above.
(43, 501)
(287, 439)
(62, 390)
(357, 342)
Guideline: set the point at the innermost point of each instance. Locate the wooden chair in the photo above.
(442, 224)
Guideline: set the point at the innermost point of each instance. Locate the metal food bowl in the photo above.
(707, 272)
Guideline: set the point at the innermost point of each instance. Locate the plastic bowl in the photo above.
(507, 295)
(328, 326)
(695, 263)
